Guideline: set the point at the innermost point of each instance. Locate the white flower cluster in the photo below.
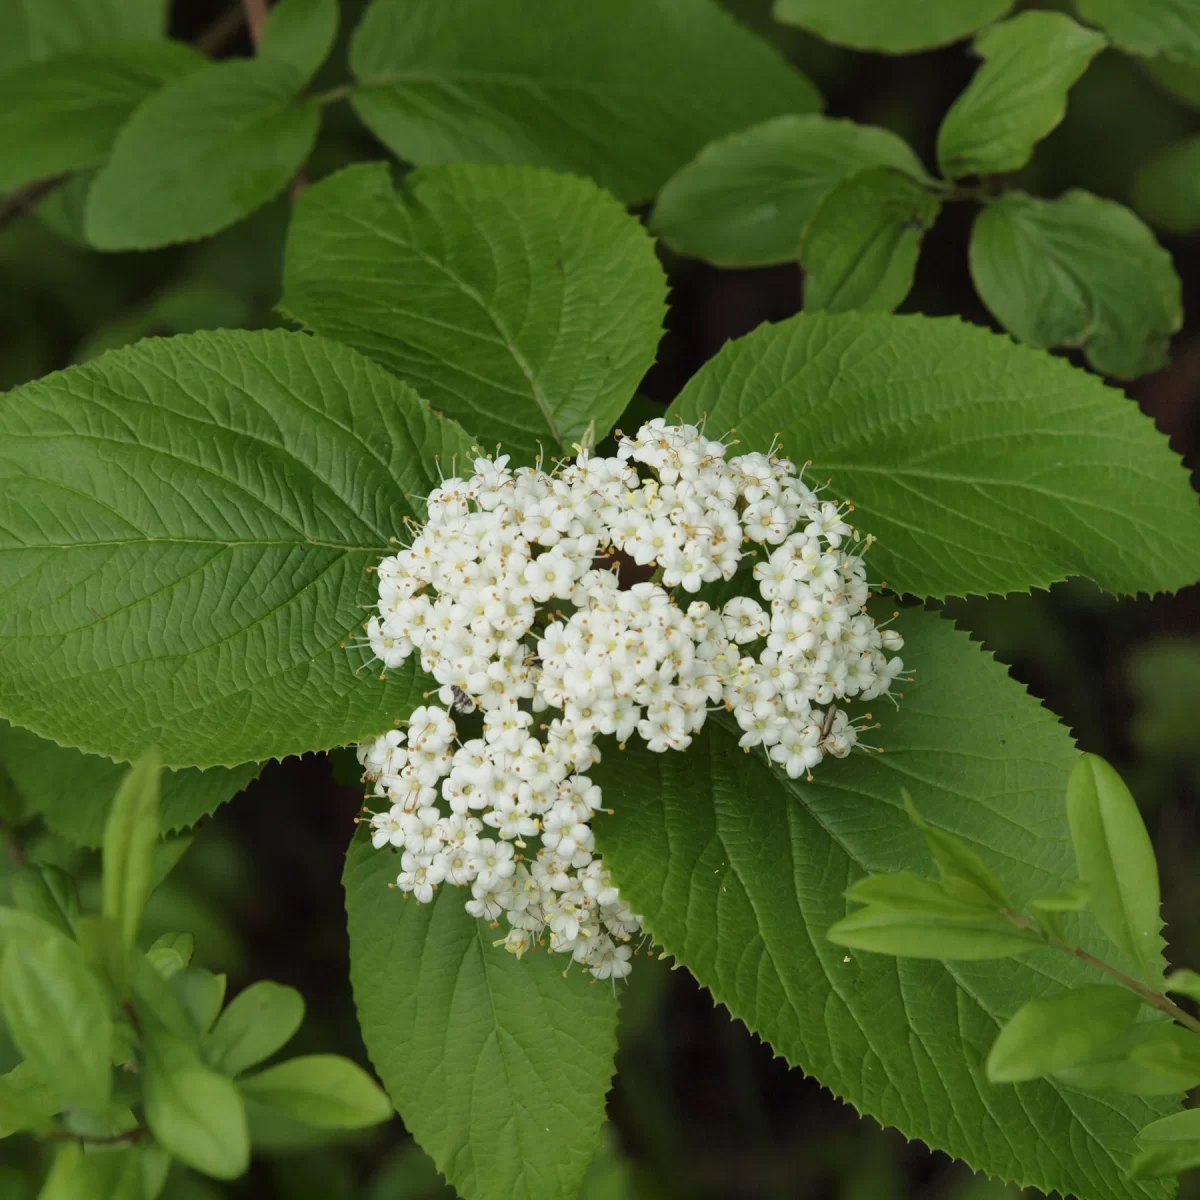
(531, 595)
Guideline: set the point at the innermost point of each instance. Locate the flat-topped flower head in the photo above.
(563, 606)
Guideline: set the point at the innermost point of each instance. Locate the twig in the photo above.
(256, 18)
(220, 31)
(23, 199)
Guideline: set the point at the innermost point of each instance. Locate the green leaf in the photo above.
(1074, 899)
(861, 246)
(74, 792)
(26, 1101)
(171, 953)
(910, 894)
(1077, 271)
(1116, 860)
(129, 839)
(63, 114)
(157, 1005)
(1169, 1146)
(213, 603)
(895, 28)
(103, 950)
(258, 1022)
(579, 87)
(979, 465)
(114, 1175)
(18, 926)
(447, 1017)
(1019, 94)
(523, 304)
(964, 873)
(192, 1111)
(1060, 1031)
(32, 30)
(886, 931)
(745, 199)
(1151, 1059)
(201, 993)
(1167, 27)
(49, 892)
(58, 1014)
(201, 154)
(1184, 983)
(1179, 79)
(736, 871)
(324, 1090)
(1166, 187)
(300, 33)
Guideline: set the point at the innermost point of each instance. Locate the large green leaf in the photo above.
(73, 791)
(63, 114)
(894, 26)
(1166, 187)
(1019, 94)
(861, 247)
(980, 466)
(1149, 27)
(589, 88)
(498, 1066)
(525, 305)
(31, 30)
(744, 200)
(1078, 271)
(201, 154)
(187, 525)
(739, 872)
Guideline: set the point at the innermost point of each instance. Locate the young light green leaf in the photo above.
(59, 1015)
(1184, 983)
(103, 950)
(115, 1175)
(1018, 95)
(16, 925)
(1073, 899)
(170, 953)
(166, 857)
(202, 153)
(1169, 1146)
(964, 873)
(1116, 860)
(1152, 1059)
(32, 30)
(745, 199)
(1060, 1031)
(27, 1101)
(64, 113)
(888, 931)
(1077, 271)
(73, 792)
(888, 26)
(128, 853)
(201, 993)
(447, 1016)
(523, 304)
(735, 869)
(910, 894)
(48, 892)
(192, 1111)
(300, 33)
(445, 80)
(157, 1005)
(214, 602)
(860, 248)
(258, 1022)
(1170, 28)
(324, 1090)
(1166, 187)
(971, 428)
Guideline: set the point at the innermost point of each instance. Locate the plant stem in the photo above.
(1149, 995)
(256, 18)
(220, 31)
(342, 92)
